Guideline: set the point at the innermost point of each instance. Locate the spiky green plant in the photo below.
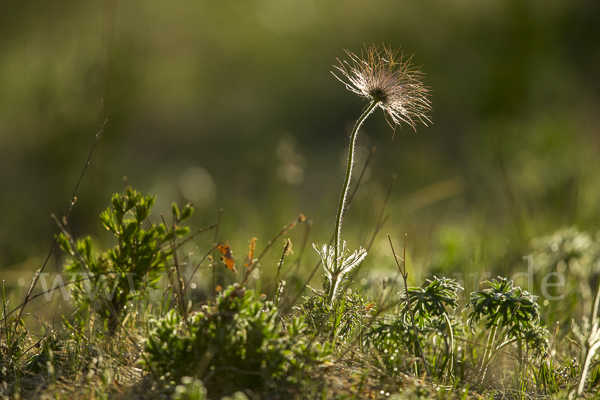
(506, 307)
(431, 302)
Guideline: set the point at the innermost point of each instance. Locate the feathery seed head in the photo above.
(382, 76)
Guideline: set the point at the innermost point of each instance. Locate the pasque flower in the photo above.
(382, 77)
(385, 78)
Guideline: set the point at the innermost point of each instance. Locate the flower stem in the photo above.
(345, 188)
(343, 197)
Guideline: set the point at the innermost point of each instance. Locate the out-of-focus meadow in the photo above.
(232, 105)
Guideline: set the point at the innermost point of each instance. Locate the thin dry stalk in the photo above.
(300, 218)
(36, 275)
(405, 278)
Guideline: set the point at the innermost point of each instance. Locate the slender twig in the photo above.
(200, 263)
(199, 231)
(37, 273)
(405, 278)
(35, 296)
(298, 261)
(280, 286)
(215, 244)
(300, 218)
(285, 250)
(180, 286)
(296, 267)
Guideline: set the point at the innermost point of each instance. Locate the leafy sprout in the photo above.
(506, 307)
(503, 304)
(431, 301)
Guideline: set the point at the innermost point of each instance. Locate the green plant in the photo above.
(574, 255)
(143, 250)
(48, 345)
(509, 308)
(431, 302)
(329, 324)
(393, 339)
(588, 336)
(15, 335)
(394, 86)
(237, 343)
(401, 264)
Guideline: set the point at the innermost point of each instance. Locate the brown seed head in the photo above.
(381, 75)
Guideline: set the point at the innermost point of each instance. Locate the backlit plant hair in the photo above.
(381, 76)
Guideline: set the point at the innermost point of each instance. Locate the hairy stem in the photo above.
(411, 312)
(332, 288)
(344, 196)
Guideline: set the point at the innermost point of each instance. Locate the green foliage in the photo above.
(336, 321)
(392, 338)
(573, 257)
(568, 250)
(504, 305)
(240, 342)
(46, 357)
(431, 301)
(514, 313)
(15, 346)
(118, 275)
(547, 378)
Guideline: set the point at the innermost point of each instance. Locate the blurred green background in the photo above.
(231, 104)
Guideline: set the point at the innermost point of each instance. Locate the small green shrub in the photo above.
(238, 343)
(121, 274)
